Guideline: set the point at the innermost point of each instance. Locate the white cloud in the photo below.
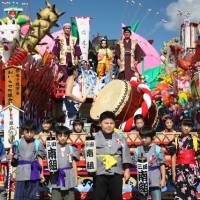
(174, 20)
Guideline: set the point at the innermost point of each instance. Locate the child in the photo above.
(139, 122)
(184, 165)
(104, 58)
(47, 126)
(113, 157)
(46, 131)
(156, 161)
(169, 133)
(27, 157)
(78, 126)
(65, 179)
(162, 113)
(168, 122)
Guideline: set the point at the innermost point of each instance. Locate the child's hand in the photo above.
(42, 179)
(10, 155)
(83, 99)
(162, 183)
(127, 175)
(94, 97)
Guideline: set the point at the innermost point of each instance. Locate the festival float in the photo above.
(30, 86)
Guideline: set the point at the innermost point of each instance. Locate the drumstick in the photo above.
(86, 94)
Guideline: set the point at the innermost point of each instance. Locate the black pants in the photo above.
(106, 185)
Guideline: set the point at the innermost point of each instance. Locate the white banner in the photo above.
(51, 148)
(90, 155)
(143, 177)
(11, 125)
(83, 24)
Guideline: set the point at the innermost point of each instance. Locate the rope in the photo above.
(143, 110)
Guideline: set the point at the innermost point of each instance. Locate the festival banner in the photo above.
(83, 27)
(11, 124)
(143, 178)
(90, 155)
(51, 148)
(13, 86)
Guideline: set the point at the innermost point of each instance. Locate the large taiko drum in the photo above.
(123, 99)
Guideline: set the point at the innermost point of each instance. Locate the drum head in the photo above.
(112, 97)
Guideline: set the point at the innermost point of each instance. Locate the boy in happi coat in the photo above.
(65, 179)
(156, 163)
(45, 134)
(185, 170)
(113, 159)
(27, 158)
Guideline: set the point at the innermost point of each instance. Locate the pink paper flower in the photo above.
(180, 178)
(193, 193)
(183, 190)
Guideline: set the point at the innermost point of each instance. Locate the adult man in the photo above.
(66, 49)
(127, 55)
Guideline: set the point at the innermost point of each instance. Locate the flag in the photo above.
(134, 26)
(74, 28)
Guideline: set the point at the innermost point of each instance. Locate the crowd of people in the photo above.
(114, 160)
(113, 157)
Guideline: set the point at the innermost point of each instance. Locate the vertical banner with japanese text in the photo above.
(51, 148)
(143, 178)
(11, 125)
(83, 25)
(90, 155)
(13, 86)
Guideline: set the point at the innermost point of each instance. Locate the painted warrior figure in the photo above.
(126, 55)
(66, 49)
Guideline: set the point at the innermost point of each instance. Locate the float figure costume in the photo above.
(127, 55)
(67, 51)
(104, 61)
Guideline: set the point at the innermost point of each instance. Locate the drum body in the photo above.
(121, 98)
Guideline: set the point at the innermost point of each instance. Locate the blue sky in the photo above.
(109, 14)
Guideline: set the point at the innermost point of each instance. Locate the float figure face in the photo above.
(12, 14)
(9, 34)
